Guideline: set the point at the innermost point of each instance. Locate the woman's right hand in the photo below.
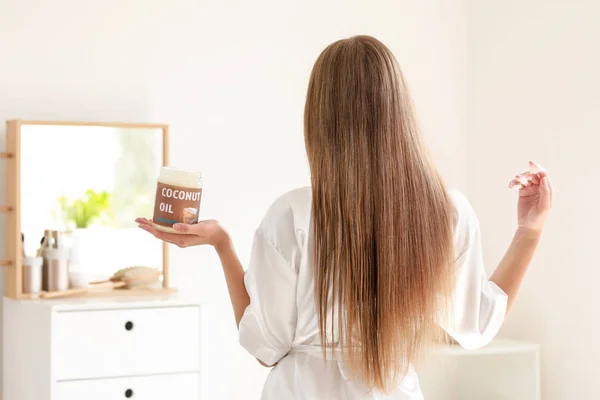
(208, 232)
(535, 198)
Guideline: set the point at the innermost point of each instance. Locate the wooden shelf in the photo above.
(109, 294)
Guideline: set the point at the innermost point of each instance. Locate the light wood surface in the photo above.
(13, 274)
(83, 290)
(109, 293)
(86, 123)
(12, 157)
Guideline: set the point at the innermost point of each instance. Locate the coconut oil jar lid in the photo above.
(180, 177)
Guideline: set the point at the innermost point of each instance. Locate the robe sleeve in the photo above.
(268, 325)
(479, 305)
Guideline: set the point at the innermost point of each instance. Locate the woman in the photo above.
(349, 280)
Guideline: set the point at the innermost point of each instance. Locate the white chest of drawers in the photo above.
(101, 349)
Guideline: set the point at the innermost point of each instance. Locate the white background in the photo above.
(230, 79)
(534, 93)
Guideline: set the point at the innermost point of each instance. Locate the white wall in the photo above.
(534, 93)
(230, 79)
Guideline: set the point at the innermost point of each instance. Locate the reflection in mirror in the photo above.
(92, 182)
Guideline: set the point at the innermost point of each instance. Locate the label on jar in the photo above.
(175, 204)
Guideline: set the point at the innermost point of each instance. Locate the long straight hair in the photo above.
(382, 216)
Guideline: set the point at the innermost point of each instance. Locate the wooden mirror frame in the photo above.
(13, 264)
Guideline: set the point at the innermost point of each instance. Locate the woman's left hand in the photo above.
(535, 198)
(204, 232)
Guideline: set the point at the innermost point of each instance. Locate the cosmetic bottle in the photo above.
(56, 262)
(45, 243)
(32, 274)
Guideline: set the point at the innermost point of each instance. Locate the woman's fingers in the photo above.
(532, 177)
(543, 175)
(535, 179)
(545, 194)
(520, 181)
(181, 240)
(550, 188)
(532, 181)
(173, 238)
(167, 237)
(541, 172)
(515, 184)
(183, 228)
(523, 179)
(158, 234)
(535, 168)
(201, 228)
(197, 229)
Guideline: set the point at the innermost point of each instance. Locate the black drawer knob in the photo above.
(129, 393)
(129, 325)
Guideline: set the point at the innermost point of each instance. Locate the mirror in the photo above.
(91, 181)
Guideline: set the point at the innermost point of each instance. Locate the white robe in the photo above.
(281, 325)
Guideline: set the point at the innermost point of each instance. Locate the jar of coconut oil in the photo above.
(178, 194)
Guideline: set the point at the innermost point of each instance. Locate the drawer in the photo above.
(159, 387)
(125, 342)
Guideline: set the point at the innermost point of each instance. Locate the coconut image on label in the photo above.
(178, 195)
(190, 215)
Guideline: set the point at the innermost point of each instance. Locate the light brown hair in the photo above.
(382, 216)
